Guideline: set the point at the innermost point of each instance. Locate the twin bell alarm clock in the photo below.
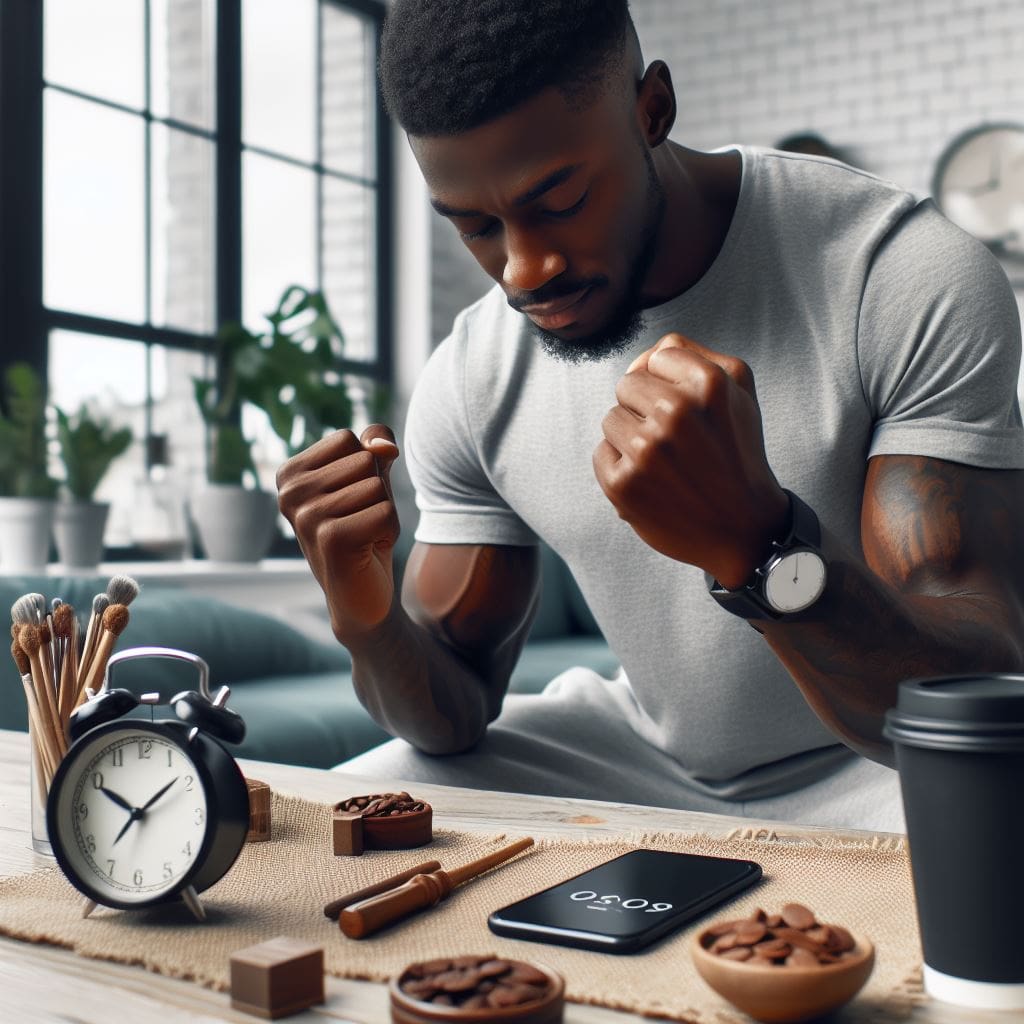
(145, 812)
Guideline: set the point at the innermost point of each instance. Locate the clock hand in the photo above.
(134, 816)
(153, 799)
(119, 800)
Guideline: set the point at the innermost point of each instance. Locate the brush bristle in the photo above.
(20, 658)
(63, 620)
(99, 604)
(24, 610)
(115, 619)
(122, 590)
(28, 639)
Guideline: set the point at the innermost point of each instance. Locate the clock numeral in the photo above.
(586, 894)
(110, 869)
(117, 757)
(145, 749)
(634, 904)
(200, 817)
(97, 780)
(137, 877)
(187, 849)
(83, 811)
(167, 869)
(90, 843)
(657, 908)
(170, 754)
(188, 783)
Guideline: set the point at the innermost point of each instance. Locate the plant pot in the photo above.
(234, 524)
(78, 530)
(25, 527)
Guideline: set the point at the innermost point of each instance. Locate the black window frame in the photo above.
(25, 321)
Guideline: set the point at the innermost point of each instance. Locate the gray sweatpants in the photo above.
(571, 741)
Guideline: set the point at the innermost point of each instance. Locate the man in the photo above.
(859, 510)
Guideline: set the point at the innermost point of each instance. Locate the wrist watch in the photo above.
(792, 578)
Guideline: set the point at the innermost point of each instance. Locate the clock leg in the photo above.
(88, 907)
(191, 899)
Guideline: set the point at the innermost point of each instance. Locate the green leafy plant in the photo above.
(290, 371)
(87, 448)
(23, 471)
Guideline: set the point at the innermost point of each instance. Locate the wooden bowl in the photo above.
(784, 995)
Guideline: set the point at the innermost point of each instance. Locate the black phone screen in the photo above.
(626, 903)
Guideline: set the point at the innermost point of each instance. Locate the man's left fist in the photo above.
(683, 460)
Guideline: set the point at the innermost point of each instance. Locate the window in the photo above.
(173, 164)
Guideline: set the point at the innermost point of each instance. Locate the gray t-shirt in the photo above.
(872, 325)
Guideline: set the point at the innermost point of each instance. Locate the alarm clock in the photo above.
(146, 812)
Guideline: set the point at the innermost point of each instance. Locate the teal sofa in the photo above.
(294, 693)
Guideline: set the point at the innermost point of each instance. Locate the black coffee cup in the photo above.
(959, 744)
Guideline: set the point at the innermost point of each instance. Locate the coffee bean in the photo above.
(494, 968)
(750, 932)
(475, 982)
(801, 958)
(796, 915)
(527, 974)
(740, 953)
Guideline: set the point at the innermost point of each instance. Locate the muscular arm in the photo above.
(435, 671)
(939, 590)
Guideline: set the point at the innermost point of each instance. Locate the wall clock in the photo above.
(979, 185)
(145, 812)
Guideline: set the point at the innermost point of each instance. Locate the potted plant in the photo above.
(87, 445)
(26, 488)
(291, 372)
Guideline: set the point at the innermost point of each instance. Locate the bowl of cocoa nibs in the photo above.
(476, 989)
(783, 968)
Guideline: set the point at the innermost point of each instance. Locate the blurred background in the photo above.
(171, 166)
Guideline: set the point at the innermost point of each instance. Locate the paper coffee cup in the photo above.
(959, 744)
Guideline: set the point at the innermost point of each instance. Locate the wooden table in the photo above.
(43, 983)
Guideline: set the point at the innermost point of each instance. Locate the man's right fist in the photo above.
(337, 496)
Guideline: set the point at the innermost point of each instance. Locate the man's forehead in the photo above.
(517, 150)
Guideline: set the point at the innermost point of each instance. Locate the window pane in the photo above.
(278, 233)
(184, 233)
(279, 76)
(348, 92)
(349, 275)
(96, 48)
(175, 413)
(94, 225)
(182, 62)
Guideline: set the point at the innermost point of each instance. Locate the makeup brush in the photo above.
(122, 590)
(422, 891)
(65, 629)
(115, 620)
(45, 764)
(92, 631)
(30, 642)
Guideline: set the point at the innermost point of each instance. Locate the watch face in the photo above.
(795, 581)
(131, 815)
(979, 185)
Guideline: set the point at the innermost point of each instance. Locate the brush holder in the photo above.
(38, 793)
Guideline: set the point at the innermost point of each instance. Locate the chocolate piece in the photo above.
(259, 811)
(347, 833)
(276, 978)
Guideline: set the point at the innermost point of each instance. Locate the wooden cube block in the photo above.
(277, 978)
(259, 811)
(348, 833)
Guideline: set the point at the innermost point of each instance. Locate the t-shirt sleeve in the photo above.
(457, 502)
(939, 345)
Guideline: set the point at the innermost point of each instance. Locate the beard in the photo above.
(626, 322)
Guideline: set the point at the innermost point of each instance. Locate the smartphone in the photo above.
(627, 903)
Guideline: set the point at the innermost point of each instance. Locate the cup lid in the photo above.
(981, 709)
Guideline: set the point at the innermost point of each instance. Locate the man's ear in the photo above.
(656, 103)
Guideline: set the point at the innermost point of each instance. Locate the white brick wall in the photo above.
(891, 81)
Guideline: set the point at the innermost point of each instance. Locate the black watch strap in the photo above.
(747, 602)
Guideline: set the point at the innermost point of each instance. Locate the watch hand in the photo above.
(134, 816)
(153, 799)
(119, 800)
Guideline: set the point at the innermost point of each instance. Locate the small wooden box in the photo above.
(259, 811)
(277, 978)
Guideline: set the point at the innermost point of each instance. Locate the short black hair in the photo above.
(450, 65)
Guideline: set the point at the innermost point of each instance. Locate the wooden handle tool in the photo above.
(421, 891)
(335, 907)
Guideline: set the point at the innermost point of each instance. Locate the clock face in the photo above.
(979, 185)
(795, 581)
(131, 815)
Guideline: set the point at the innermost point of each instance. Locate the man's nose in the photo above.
(530, 262)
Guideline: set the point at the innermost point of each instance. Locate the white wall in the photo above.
(892, 81)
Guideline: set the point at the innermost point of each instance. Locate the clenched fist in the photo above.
(337, 496)
(683, 460)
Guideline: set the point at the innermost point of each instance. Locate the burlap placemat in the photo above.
(280, 888)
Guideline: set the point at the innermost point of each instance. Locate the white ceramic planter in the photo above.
(25, 528)
(78, 531)
(234, 524)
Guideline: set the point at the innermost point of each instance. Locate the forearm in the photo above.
(850, 651)
(418, 687)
